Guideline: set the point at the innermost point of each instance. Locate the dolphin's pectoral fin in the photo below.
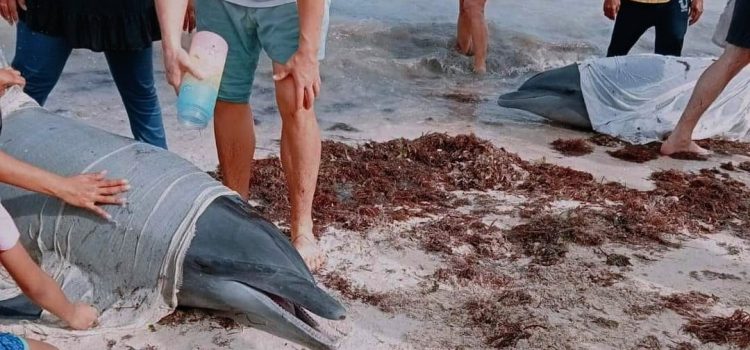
(19, 308)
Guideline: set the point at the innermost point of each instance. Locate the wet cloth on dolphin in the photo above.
(128, 268)
(640, 98)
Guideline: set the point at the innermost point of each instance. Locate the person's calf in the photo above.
(235, 144)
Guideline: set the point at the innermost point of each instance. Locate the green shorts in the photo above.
(248, 31)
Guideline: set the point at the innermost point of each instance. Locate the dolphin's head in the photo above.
(240, 262)
(555, 95)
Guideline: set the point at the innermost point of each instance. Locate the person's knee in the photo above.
(737, 58)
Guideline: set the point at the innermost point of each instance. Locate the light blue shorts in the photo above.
(248, 31)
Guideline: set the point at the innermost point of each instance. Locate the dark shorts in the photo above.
(739, 30)
(669, 19)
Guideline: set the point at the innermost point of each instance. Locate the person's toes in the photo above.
(310, 251)
(694, 148)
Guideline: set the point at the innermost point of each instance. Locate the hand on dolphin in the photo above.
(88, 190)
(10, 77)
(81, 317)
(84, 191)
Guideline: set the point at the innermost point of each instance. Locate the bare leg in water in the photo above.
(300, 157)
(709, 87)
(473, 35)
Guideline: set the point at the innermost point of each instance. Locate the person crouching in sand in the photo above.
(735, 58)
(473, 35)
(83, 191)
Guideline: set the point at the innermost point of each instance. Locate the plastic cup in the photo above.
(197, 98)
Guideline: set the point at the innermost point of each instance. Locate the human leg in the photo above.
(474, 10)
(300, 157)
(300, 135)
(40, 58)
(463, 35)
(671, 27)
(632, 21)
(133, 73)
(710, 85)
(233, 120)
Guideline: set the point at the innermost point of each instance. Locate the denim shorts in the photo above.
(247, 30)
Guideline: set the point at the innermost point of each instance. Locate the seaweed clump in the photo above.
(545, 237)
(360, 186)
(453, 231)
(726, 147)
(348, 290)
(689, 304)
(637, 153)
(574, 147)
(490, 316)
(605, 140)
(732, 330)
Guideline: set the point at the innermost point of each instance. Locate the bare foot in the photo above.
(670, 147)
(480, 68)
(308, 248)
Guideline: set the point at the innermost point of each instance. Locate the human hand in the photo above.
(10, 77)
(82, 317)
(189, 24)
(696, 10)
(611, 8)
(305, 70)
(88, 190)
(177, 62)
(9, 9)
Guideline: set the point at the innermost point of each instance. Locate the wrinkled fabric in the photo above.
(129, 268)
(640, 98)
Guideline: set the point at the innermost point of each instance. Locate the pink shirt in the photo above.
(8, 230)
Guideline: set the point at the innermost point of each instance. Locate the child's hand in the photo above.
(83, 317)
(10, 77)
(88, 190)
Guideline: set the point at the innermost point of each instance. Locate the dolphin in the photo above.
(555, 95)
(240, 262)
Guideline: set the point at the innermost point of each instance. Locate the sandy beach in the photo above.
(521, 247)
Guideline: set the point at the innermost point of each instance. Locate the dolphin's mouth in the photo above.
(296, 316)
(295, 310)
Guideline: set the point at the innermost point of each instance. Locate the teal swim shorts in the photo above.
(247, 30)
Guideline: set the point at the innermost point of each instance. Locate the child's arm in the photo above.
(43, 290)
(83, 191)
(38, 345)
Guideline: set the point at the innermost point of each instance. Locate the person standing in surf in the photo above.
(633, 18)
(473, 35)
(712, 82)
(85, 191)
(48, 30)
(291, 33)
